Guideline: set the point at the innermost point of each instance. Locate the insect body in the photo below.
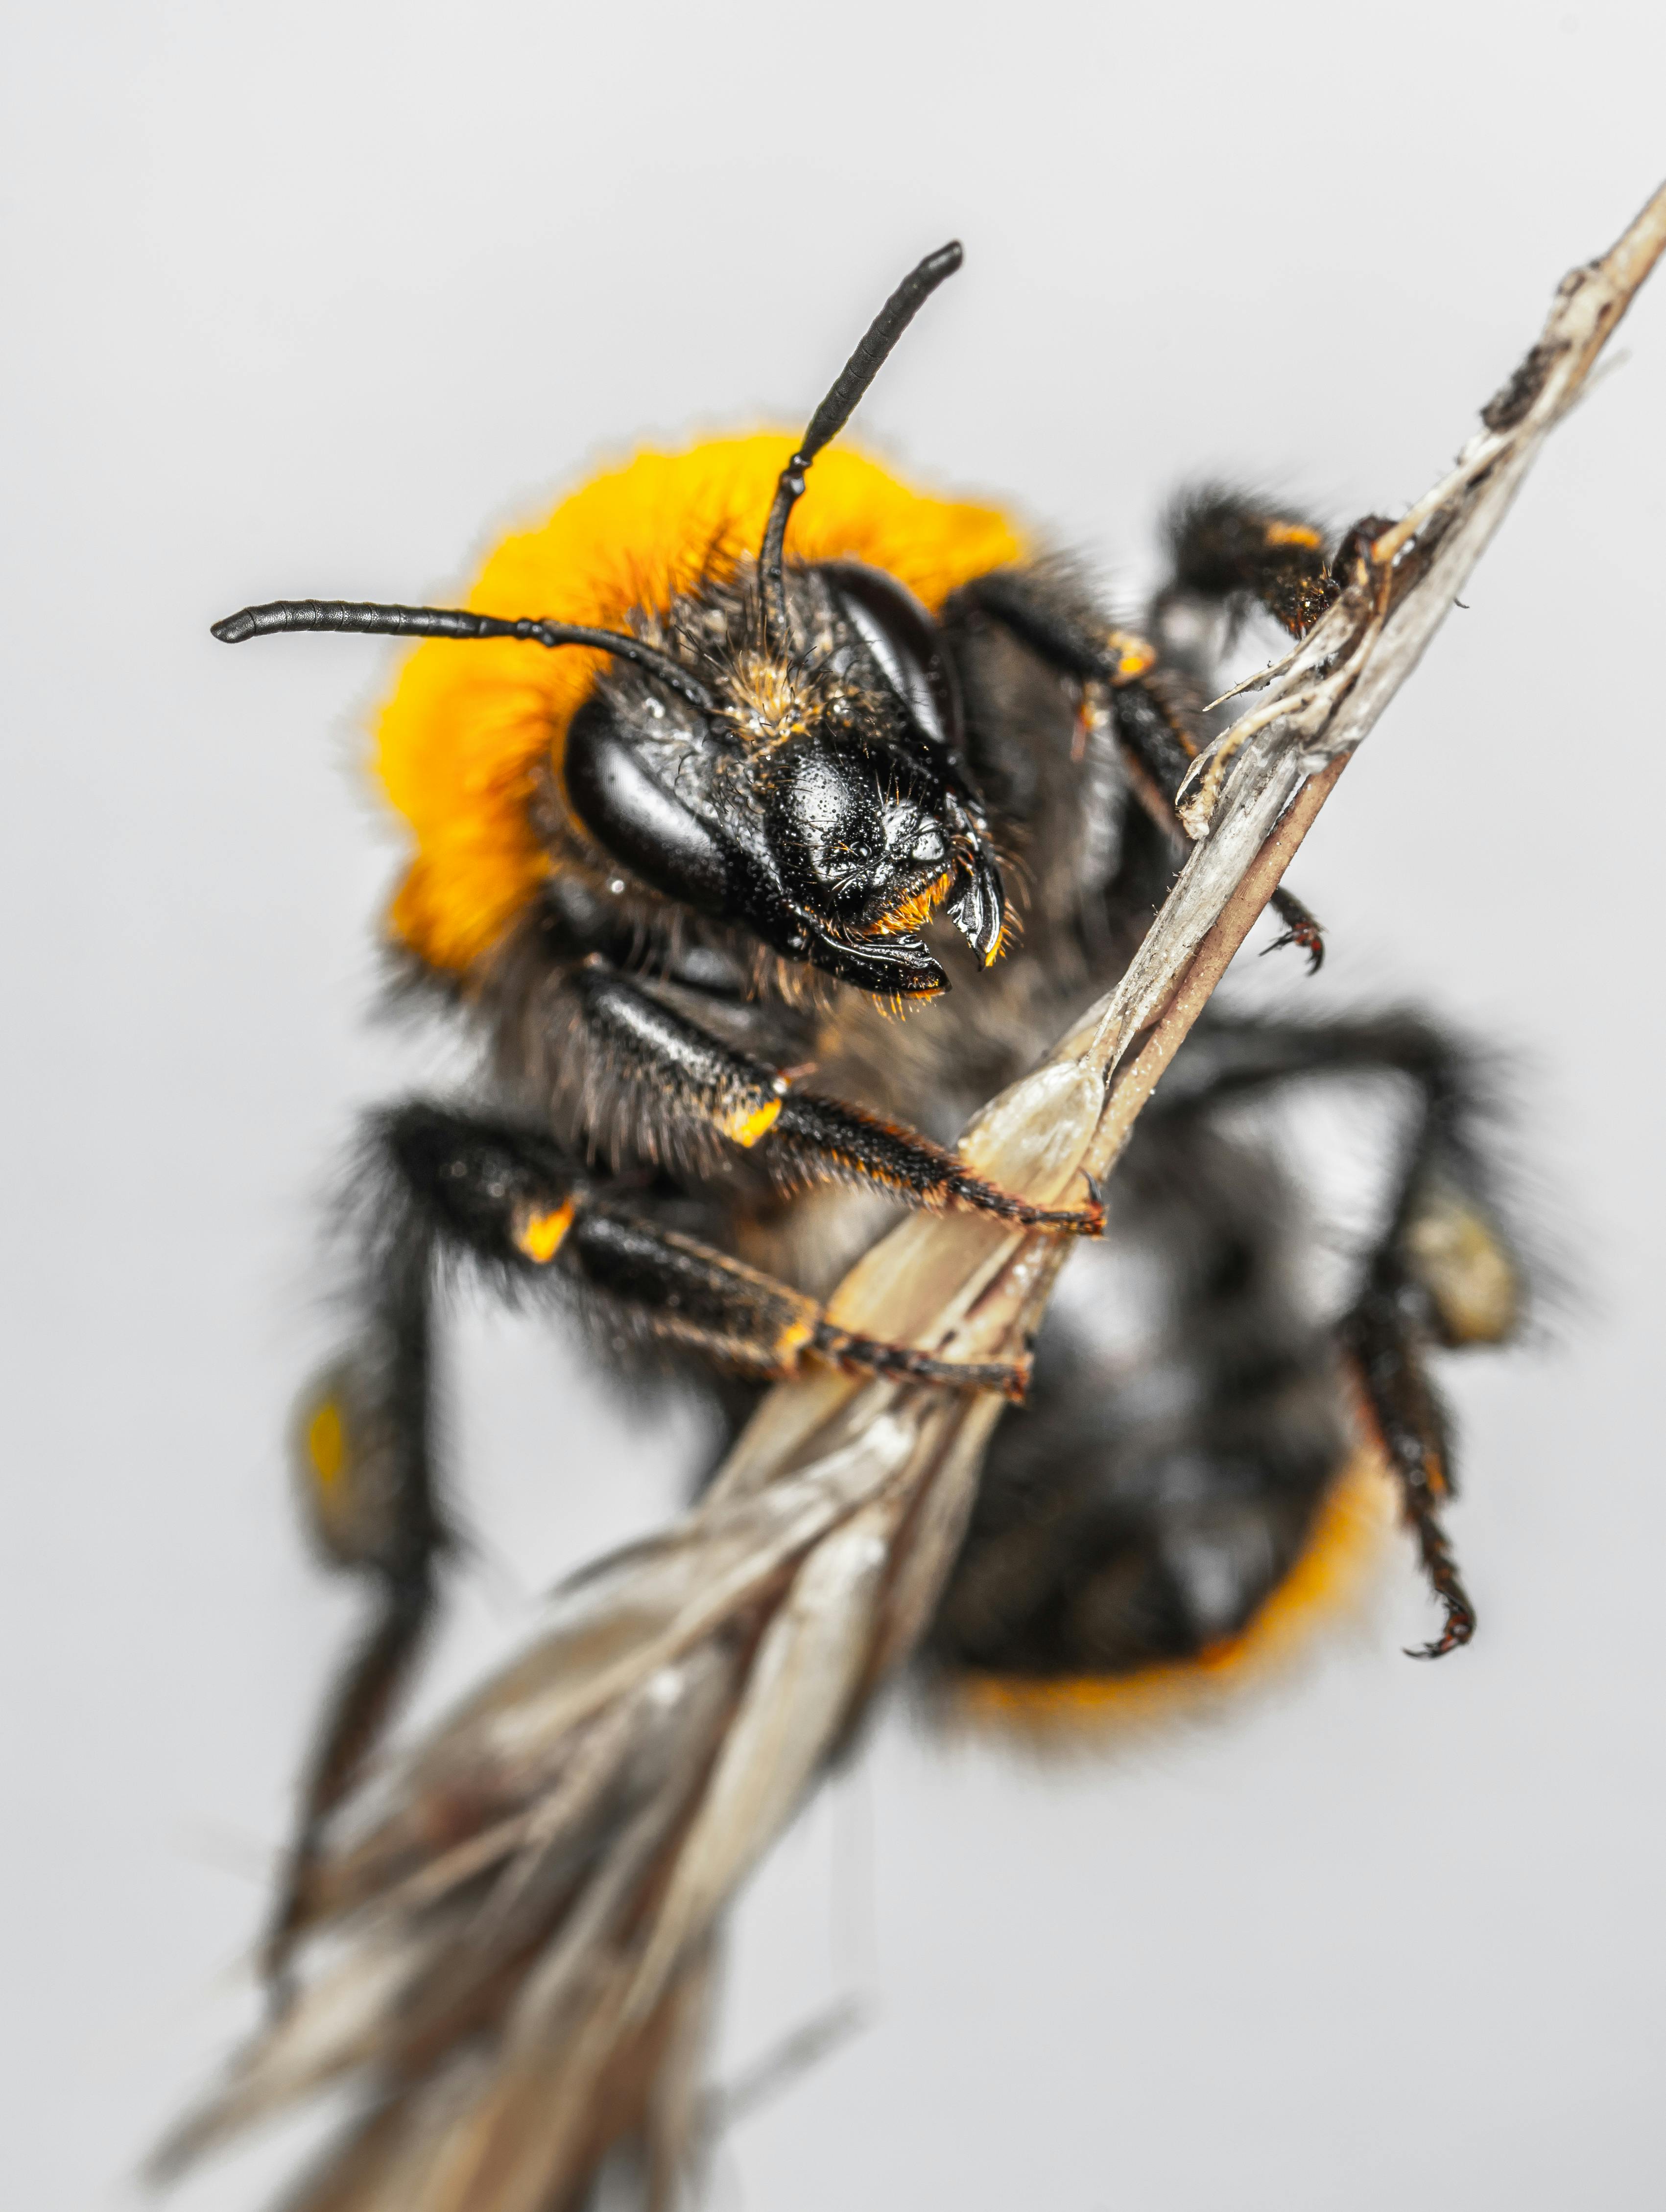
(717, 787)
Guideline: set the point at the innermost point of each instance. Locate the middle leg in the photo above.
(1226, 551)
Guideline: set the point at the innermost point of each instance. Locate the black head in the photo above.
(828, 808)
(807, 783)
(822, 803)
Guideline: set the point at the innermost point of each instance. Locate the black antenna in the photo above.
(455, 622)
(830, 417)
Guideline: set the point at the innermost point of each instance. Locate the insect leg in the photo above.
(1381, 1336)
(363, 1453)
(680, 1073)
(1156, 708)
(1444, 1274)
(1228, 550)
(1234, 550)
(507, 1200)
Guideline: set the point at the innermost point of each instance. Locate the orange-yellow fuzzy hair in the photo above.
(1329, 1578)
(459, 743)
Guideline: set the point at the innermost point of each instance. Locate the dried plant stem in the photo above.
(1134, 1084)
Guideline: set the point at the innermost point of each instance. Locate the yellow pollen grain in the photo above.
(794, 1338)
(326, 1443)
(745, 1125)
(1134, 655)
(1291, 533)
(1467, 1272)
(539, 1235)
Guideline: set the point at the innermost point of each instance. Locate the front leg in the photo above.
(682, 1080)
(1154, 710)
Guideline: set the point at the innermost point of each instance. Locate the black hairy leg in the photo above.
(1445, 1225)
(507, 1200)
(1154, 710)
(1404, 1412)
(1155, 703)
(1444, 1274)
(442, 1189)
(1230, 548)
(667, 1082)
(364, 1454)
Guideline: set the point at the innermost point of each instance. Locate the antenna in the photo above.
(830, 417)
(455, 622)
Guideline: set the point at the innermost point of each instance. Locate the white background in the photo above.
(310, 299)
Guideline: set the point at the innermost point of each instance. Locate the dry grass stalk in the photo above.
(519, 1919)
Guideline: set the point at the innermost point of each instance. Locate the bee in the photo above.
(769, 814)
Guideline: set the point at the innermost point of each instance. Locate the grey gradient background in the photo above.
(313, 300)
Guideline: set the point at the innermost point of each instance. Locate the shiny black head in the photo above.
(822, 802)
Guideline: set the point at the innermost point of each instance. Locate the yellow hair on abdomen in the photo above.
(459, 743)
(1329, 1578)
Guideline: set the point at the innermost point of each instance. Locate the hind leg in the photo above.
(1444, 1274)
(1224, 552)
(1230, 550)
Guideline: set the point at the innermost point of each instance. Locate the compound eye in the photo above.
(901, 637)
(609, 770)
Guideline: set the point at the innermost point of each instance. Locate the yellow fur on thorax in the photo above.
(460, 744)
